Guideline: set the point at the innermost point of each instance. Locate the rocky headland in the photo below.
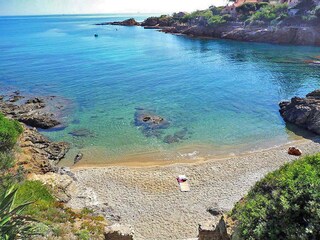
(295, 23)
(295, 34)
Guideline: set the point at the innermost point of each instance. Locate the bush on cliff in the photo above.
(283, 205)
(9, 132)
(270, 12)
(317, 12)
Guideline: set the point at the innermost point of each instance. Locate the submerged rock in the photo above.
(171, 139)
(82, 132)
(176, 137)
(304, 112)
(181, 134)
(150, 123)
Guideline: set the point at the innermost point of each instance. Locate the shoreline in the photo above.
(136, 162)
(148, 198)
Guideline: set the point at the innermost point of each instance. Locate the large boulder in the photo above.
(304, 112)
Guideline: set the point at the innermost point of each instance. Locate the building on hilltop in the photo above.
(231, 8)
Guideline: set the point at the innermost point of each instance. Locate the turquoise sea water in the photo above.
(225, 94)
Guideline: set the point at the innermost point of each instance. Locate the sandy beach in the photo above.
(149, 200)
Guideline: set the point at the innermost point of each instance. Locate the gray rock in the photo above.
(210, 231)
(150, 123)
(32, 112)
(171, 139)
(78, 157)
(304, 112)
(82, 132)
(119, 232)
(44, 153)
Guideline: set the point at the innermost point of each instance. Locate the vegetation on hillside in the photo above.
(283, 205)
(263, 13)
(11, 222)
(9, 133)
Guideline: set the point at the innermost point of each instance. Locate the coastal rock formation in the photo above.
(39, 154)
(119, 232)
(224, 230)
(150, 123)
(82, 132)
(176, 137)
(304, 112)
(163, 21)
(60, 185)
(283, 35)
(32, 112)
(128, 22)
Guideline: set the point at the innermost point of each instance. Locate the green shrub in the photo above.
(317, 11)
(270, 13)
(9, 132)
(207, 14)
(216, 20)
(12, 222)
(6, 176)
(310, 18)
(83, 234)
(283, 205)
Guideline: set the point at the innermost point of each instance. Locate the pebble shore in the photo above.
(149, 200)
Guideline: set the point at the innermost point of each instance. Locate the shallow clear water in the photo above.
(224, 93)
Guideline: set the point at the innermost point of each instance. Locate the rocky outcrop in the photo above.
(281, 35)
(32, 112)
(224, 230)
(38, 154)
(150, 123)
(119, 232)
(304, 112)
(162, 21)
(60, 184)
(284, 33)
(128, 22)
